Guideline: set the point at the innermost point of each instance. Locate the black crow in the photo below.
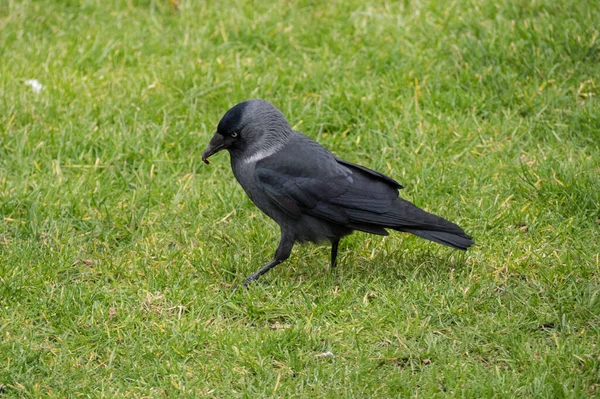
(312, 194)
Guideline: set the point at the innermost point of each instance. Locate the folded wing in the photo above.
(348, 194)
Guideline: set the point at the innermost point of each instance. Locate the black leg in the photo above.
(283, 252)
(334, 249)
(254, 276)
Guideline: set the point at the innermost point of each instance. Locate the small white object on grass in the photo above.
(35, 84)
(324, 354)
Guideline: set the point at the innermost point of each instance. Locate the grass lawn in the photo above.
(119, 247)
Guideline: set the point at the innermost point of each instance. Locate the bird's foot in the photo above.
(252, 278)
(246, 284)
(235, 287)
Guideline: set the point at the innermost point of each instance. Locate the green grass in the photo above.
(118, 247)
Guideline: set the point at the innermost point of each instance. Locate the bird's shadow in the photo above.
(402, 265)
(359, 262)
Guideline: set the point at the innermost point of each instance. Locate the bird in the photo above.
(313, 195)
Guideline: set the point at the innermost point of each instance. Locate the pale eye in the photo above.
(234, 134)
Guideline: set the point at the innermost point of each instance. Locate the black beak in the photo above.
(217, 143)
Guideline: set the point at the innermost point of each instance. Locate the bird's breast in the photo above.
(245, 174)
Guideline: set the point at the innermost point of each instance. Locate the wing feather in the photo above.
(327, 187)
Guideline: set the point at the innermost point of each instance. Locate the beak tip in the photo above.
(207, 153)
(216, 144)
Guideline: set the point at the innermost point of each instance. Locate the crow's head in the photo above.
(248, 127)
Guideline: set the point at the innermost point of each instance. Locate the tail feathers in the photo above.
(458, 241)
(403, 215)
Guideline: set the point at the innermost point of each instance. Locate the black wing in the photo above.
(371, 172)
(308, 179)
(305, 178)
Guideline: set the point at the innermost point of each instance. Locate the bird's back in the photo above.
(318, 197)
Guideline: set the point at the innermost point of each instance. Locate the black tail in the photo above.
(454, 240)
(431, 227)
(405, 216)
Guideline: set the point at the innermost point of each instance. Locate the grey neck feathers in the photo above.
(268, 144)
(267, 131)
